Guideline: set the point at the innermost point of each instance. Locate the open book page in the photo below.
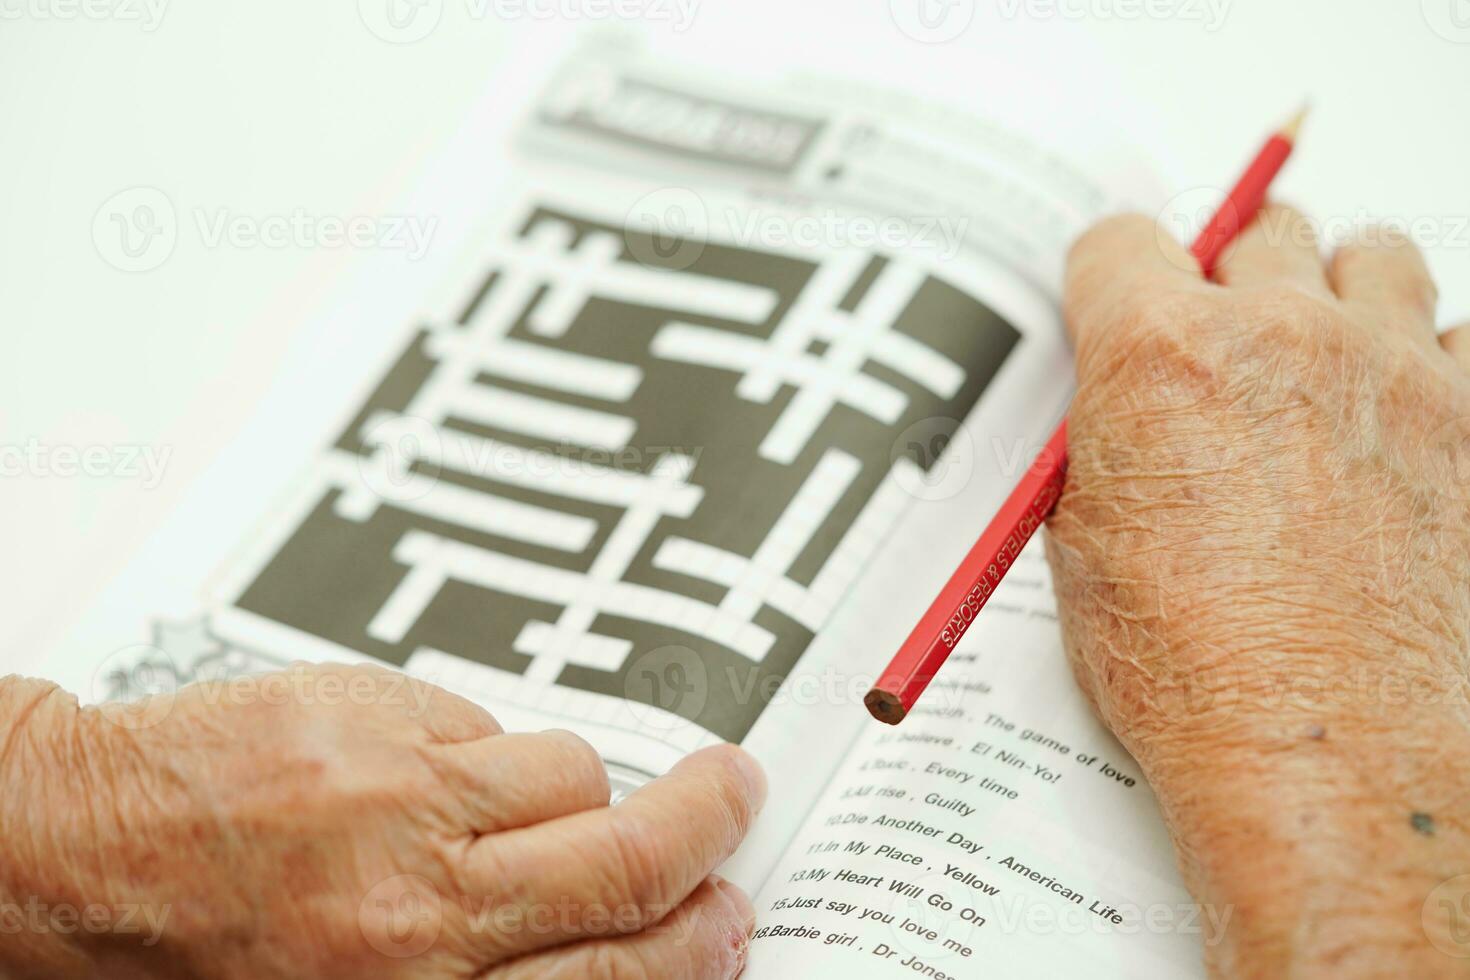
(999, 831)
(638, 469)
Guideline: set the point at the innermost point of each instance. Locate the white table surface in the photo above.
(279, 105)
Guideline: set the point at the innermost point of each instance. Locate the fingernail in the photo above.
(741, 902)
(741, 933)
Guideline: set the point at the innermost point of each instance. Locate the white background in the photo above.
(277, 105)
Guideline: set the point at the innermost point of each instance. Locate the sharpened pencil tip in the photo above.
(1290, 131)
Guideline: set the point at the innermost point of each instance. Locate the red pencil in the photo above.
(982, 570)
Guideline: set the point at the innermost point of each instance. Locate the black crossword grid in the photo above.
(609, 466)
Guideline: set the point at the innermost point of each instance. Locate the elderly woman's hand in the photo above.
(1263, 561)
(348, 822)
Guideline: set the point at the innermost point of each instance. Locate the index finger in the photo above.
(615, 870)
(1118, 259)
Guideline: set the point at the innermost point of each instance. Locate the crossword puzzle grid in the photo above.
(605, 464)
